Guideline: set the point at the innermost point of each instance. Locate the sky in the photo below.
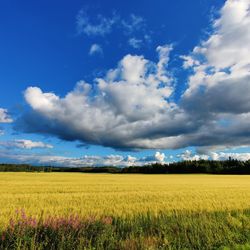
(95, 83)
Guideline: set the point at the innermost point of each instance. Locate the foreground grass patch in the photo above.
(180, 230)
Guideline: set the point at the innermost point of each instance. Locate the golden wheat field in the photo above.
(120, 195)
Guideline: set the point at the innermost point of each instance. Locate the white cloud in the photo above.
(187, 155)
(189, 62)
(164, 52)
(160, 157)
(95, 49)
(132, 26)
(131, 161)
(86, 160)
(134, 23)
(25, 144)
(135, 43)
(4, 117)
(100, 26)
(130, 102)
(225, 156)
(226, 53)
(133, 69)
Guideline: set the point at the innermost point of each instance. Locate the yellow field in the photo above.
(67, 193)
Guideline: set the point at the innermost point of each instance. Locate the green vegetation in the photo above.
(229, 166)
(180, 230)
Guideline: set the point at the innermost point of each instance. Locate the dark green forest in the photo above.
(229, 166)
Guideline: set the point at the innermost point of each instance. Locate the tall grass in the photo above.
(180, 230)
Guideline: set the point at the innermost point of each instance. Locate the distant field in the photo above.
(67, 193)
(124, 211)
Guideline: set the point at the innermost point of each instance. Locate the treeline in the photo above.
(194, 167)
(229, 166)
(25, 168)
(30, 168)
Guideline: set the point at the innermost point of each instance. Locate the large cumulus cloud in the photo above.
(129, 108)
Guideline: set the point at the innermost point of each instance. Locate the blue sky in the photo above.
(123, 82)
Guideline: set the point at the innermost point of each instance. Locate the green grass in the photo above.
(180, 230)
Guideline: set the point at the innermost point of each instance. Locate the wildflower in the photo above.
(107, 220)
(3, 237)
